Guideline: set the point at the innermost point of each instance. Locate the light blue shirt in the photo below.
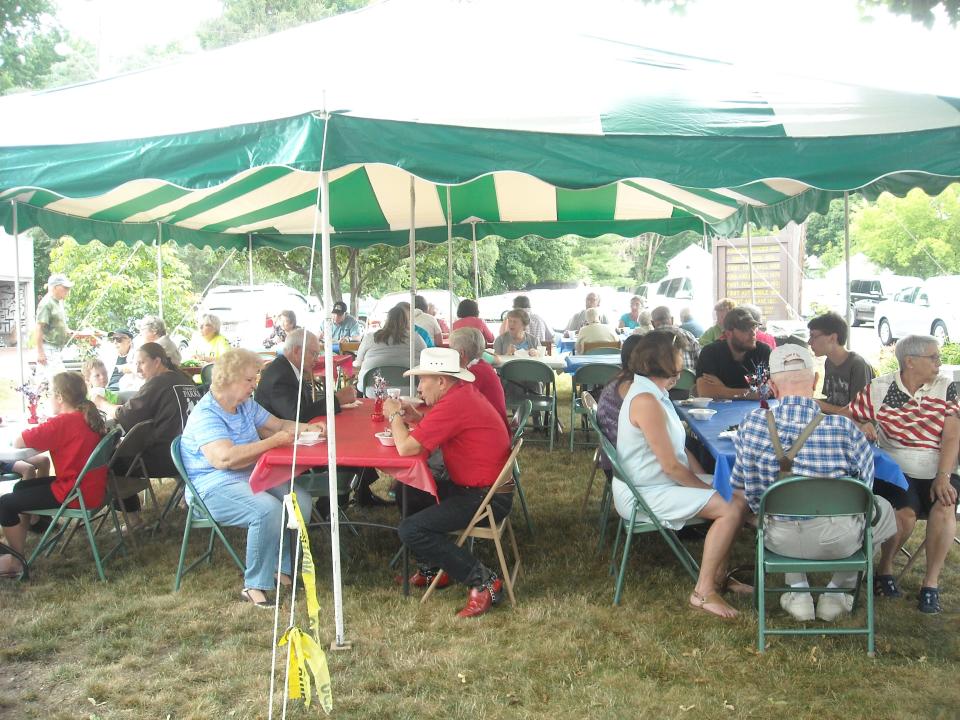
(347, 329)
(209, 422)
(633, 450)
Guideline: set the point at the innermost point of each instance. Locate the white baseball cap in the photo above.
(787, 357)
(440, 361)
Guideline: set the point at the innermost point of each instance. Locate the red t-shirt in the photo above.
(474, 440)
(488, 384)
(477, 323)
(70, 442)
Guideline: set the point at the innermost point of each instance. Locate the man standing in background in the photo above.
(52, 334)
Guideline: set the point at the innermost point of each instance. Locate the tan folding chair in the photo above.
(483, 526)
(601, 347)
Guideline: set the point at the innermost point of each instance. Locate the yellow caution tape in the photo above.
(307, 657)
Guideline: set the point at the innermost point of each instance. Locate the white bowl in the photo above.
(386, 438)
(309, 438)
(699, 402)
(702, 413)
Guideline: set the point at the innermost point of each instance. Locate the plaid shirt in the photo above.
(836, 448)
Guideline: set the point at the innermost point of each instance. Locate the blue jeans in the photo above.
(236, 505)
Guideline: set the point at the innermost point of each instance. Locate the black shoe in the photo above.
(929, 601)
(886, 586)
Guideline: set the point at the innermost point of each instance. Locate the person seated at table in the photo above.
(475, 444)
(154, 330)
(594, 331)
(912, 414)
(95, 375)
(762, 335)
(723, 366)
(390, 345)
(469, 344)
(468, 316)
(536, 325)
(226, 433)
(424, 334)
(284, 323)
(644, 324)
(611, 400)
(662, 319)
(70, 435)
(423, 319)
(208, 344)
(650, 445)
(631, 320)
(835, 448)
(845, 373)
(580, 319)
(715, 332)
(688, 323)
(517, 337)
(120, 360)
(345, 327)
(433, 310)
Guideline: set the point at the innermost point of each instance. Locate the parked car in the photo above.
(928, 309)
(866, 293)
(681, 291)
(246, 311)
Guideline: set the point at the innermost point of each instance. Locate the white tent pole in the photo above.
(753, 291)
(18, 317)
(846, 258)
(476, 264)
(159, 273)
(450, 254)
(413, 276)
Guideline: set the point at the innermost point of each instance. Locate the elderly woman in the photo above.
(912, 414)
(644, 323)
(468, 316)
(154, 330)
(630, 320)
(595, 331)
(469, 343)
(650, 446)
(283, 324)
(209, 344)
(226, 432)
(390, 345)
(516, 337)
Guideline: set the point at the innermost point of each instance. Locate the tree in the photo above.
(825, 232)
(919, 10)
(915, 235)
(26, 43)
(532, 260)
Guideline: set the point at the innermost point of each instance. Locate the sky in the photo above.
(821, 38)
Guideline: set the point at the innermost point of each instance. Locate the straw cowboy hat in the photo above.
(440, 361)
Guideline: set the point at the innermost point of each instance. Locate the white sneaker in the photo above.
(830, 606)
(798, 605)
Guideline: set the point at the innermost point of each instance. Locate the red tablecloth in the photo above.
(356, 445)
(339, 361)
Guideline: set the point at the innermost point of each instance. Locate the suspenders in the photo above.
(785, 459)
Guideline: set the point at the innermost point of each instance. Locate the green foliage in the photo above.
(78, 66)
(104, 296)
(26, 44)
(825, 232)
(533, 259)
(915, 235)
(919, 10)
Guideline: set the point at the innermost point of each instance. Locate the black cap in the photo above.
(339, 307)
(739, 318)
(121, 331)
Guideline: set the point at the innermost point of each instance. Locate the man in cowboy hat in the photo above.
(475, 444)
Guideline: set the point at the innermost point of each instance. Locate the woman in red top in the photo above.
(468, 314)
(71, 436)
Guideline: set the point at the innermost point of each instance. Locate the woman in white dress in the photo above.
(650, 446)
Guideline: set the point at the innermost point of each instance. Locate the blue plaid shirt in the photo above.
(837, 448)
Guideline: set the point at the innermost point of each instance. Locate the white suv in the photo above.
(244, 310)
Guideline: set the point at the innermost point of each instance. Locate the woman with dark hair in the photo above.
(516, 337)
(71, 435)
(650, 446)
(611, 399)
(390, 345)
(468, 315)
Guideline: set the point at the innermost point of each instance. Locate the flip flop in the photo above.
(703, 603)
(245, 594)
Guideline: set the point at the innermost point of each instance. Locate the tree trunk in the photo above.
(355, 285)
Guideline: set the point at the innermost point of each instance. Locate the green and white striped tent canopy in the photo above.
(555, 128)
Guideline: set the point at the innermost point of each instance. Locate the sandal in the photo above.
(245, 594)
(886, 586)
(705, 602)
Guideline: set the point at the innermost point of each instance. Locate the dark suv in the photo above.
(865, 294)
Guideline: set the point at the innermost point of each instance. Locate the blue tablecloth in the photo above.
(565, 344)
(575, 362)
(723, 452)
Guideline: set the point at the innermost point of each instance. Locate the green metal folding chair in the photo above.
(206, 374)
(589, 404)
(523, 373)
(642, 520)
(602, 349)
(586, 378)
(198, 517)
(99, 458)
(520, 419)
(816, 497)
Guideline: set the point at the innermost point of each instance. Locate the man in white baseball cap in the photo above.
(475, 443)
(827, 446)
(52, 334)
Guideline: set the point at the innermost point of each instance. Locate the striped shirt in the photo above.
(836, 448)
(909, 427)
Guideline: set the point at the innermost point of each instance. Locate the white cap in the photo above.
(787, 357)
(440, 361)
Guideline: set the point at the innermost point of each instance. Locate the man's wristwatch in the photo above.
(398, 413)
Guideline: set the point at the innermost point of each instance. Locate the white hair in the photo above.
(467, 340)
(295, 339)
(913, 345)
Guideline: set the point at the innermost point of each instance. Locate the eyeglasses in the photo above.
(935, 357)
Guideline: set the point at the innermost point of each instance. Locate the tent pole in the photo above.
(250, 258)
(450, 254)
(413, 277)
(476, 264)
(18, 317)
(846, 259)
(159, 273)
(753, 291)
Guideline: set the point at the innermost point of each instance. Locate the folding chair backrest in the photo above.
(187, 398)
(523, 370)
(504, 478)
(100, 457)
(600, 348)
(134, 441)
(817, 497)
(206, 374)
(686, 381)
(520, 419)
(594, 374)
(192, 496)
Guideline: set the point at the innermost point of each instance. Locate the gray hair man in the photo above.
(580, 319)
(153, 329)
(52, 334)
(662, 318)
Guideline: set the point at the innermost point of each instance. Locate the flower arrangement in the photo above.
(33, 392)
(759, 383)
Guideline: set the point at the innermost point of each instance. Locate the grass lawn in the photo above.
(71, 647)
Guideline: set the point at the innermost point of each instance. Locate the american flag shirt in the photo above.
(909, 427)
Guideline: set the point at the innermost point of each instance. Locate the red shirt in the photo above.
(767, 339)
(70, 442)
(488, 384)
(476, 323)
(474, 440)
